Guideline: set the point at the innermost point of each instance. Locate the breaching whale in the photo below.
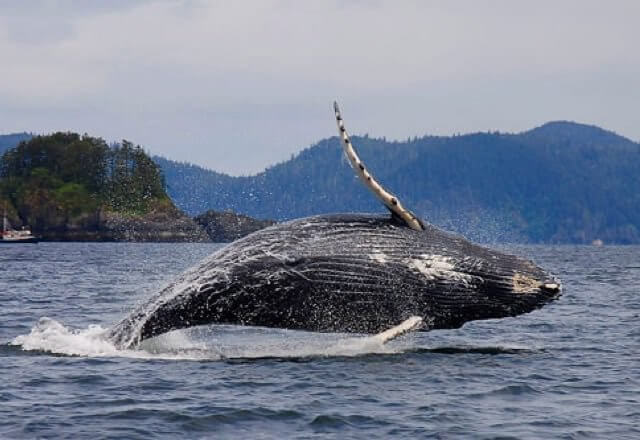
(357, 273)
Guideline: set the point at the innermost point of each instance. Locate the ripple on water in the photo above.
(338, 422)
(569, 370)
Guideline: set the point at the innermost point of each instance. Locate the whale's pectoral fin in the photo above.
(390, 201)
(406, 326)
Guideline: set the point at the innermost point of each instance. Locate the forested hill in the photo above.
(562, 182)
(71, 187)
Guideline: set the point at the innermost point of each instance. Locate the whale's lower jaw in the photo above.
(344, 273)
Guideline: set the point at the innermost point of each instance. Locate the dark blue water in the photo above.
(569, 370)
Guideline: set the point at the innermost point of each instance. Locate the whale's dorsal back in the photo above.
(389, 200)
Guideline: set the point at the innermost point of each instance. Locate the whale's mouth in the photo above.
(551, 287)
(551, 290)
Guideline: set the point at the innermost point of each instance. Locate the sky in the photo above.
(236, 86)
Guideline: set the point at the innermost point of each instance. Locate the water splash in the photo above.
(222, 342)
(51, 336)
(217, 342)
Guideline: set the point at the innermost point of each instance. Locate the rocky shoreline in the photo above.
(70, 187)
(161, 227)
(227, 226)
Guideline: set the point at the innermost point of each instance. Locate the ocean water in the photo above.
(569, 370)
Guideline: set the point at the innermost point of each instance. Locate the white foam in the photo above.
(206, 343)
(51, 336)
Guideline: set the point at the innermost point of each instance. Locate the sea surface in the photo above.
(570, 370)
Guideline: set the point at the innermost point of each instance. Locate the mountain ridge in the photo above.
(561, 182)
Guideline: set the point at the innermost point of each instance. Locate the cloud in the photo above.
(239, 85)
(53, 21)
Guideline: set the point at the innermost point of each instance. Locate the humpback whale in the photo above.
(356, 273)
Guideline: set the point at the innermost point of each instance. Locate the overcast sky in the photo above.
(239, 85)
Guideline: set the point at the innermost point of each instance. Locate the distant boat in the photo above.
(10, 235)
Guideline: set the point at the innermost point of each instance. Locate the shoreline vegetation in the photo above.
(69, 187)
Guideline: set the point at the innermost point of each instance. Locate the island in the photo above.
(71, 187)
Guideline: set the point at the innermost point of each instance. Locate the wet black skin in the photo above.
(344, 273)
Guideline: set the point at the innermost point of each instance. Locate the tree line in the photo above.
(48, 181)
(559, 183)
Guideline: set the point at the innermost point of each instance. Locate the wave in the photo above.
(229, 342)
(209, 343)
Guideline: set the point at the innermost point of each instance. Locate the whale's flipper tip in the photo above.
(406, 326)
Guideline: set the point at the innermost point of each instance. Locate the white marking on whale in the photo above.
(379, 257)
(435, 267)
